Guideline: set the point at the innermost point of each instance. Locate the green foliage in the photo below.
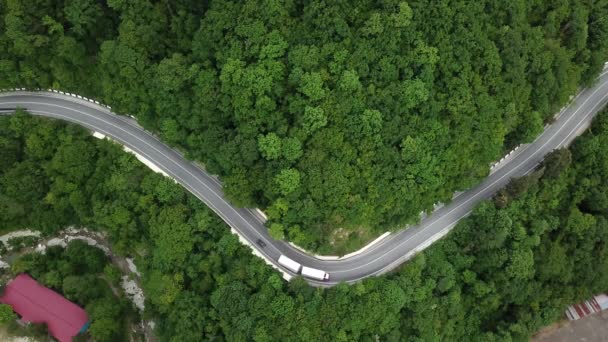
(19, 242)
(277, 231)
(516, 188)
(6, 314)
(330, 88)
(172, 235)
(163, 289)
(395, 105)
(533, 127)
(292, 149)
(270, 146)
(314, 118)
(84, 258)
(504, 272)
(556, 162)
(113, 274)
(105, 322)
(81, 289)
(311, 85)
(288, 181)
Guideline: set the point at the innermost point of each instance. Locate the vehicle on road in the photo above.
(290, 264)
(308, 272)
(260, 243)
(387, 254)
(314, 273)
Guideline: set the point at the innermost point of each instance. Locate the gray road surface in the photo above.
(380, 258)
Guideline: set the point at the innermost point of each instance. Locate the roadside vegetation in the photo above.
(351, 115)
(508, 269)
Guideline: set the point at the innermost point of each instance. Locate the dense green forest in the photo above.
(352, 114)
(504, 272)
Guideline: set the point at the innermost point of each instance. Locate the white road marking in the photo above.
(182, 182)
(485, 188)
(221, 199)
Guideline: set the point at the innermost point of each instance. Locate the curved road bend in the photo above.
(384, 256)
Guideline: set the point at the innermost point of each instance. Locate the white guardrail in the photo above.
(258, 211)
(59, 92)
(155, 168)
(493, 168)
(497, 165)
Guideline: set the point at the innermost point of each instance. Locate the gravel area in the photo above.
(593, 328)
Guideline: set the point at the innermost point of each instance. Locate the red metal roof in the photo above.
(36, 303)
(588, 307)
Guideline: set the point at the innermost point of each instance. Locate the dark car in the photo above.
(260, 243)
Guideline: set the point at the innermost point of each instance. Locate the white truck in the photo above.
(296, 267)
(290, 264)
(314, 273)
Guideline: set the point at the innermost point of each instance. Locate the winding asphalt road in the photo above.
(380, 258)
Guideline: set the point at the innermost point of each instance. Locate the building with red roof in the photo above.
(38, 304)
(588, 307)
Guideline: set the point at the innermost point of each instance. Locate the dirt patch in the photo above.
(344, 241)
(591, 328)
(5, 336)
(20, 233)
(338, 235)
(549, 330)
